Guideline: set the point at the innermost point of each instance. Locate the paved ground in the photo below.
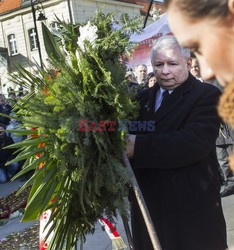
(100, 240)
(228, 206)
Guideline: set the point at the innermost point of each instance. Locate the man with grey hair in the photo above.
(176, 164)
(141, 74)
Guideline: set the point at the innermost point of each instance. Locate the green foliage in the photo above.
(81, 170)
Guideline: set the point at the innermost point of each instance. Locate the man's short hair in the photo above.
(143, 65)
(167, 42)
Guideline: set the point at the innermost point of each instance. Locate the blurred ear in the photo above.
(231, 6)
(189, 62)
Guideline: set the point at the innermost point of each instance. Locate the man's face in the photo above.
(211, 41)
(170, 68)
(141, 73)
(195, 69)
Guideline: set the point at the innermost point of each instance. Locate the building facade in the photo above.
(18, 37)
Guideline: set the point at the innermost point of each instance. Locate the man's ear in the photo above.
(189, 62)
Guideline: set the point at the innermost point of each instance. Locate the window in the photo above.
(33, 39)
(12, 44)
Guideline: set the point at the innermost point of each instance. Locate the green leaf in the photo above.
(51, 46)
(11, 117)
(29, 167)
(39, 191)
(50, 195)
(29, 182)
(25, 156)
(21, 132)
(27, 142)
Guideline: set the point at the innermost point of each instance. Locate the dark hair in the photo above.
(150, 75)
(3, 125)
(201, 8)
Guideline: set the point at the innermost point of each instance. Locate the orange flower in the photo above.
(53, 200)
(34, 135)
(41, 165)
(45, 91)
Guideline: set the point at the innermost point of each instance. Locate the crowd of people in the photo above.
(7, 138)
(140, 78)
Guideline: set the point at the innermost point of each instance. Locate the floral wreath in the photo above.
(78, 175)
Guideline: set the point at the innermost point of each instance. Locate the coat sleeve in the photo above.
(189, 145)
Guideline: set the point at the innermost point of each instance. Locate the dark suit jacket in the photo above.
(226, 134)
(177, 169)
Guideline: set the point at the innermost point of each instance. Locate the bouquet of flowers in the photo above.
(74, 144)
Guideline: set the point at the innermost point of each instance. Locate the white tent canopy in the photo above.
(159, 26)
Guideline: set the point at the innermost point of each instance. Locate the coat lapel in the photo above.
(149, 103)
(173, 100)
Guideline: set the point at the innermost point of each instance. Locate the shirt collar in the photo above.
(163, 90)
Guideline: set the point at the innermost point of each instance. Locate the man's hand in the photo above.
(130, 146)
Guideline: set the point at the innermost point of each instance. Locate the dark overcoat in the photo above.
(177, 169)
(5, 154)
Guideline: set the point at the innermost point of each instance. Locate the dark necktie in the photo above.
(165, 95)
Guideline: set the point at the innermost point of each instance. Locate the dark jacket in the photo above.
(5, 154)
(5, 109)
(177, 169)
(226, 134)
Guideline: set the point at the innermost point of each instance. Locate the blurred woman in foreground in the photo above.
(206, 27)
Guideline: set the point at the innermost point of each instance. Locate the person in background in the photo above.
(6, 172)
(10, 91)
(141, 74)
(150, 80)
(224, 146)
(4, 108)
(195, 68)
(206, 27)
(175, 163)
(13, 125)
(129, 76)
(21, 91)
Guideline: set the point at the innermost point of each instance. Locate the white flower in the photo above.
(87, 33)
